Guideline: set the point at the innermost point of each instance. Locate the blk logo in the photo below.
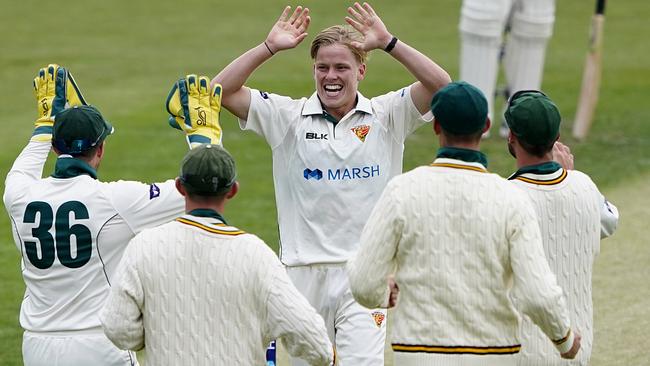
(315, 136)
(313, 174)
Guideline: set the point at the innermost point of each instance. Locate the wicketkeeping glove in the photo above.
(55, 90)
(194, 108)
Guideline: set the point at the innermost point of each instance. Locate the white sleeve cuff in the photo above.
(564, 345)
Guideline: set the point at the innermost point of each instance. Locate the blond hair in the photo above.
(339, 34)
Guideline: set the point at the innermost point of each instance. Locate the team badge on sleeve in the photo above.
(378, 317)
(154, 191)
(361, 132)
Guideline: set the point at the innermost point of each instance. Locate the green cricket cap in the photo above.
(460, 108)
(79, 128)
(533, 118)
(208, 170)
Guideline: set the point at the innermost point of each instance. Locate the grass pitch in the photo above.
(125, 56)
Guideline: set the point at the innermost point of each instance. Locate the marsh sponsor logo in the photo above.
(353, 173)
(316, 174)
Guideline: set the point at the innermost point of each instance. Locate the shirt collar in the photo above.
(207, 212)
(313, 105)
(67, 166)
(465, 155)
(548, 169)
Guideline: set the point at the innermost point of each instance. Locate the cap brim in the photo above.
(109, 128)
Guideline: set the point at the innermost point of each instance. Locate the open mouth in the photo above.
(332, 90)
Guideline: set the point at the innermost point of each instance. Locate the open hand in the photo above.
(562, 154)
(289, 31)
(367, 22)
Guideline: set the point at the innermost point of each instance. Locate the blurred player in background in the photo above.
(333, 153)
(461, 243)
(209, 292)
(573, 216)
(72, 229)
(529, 24)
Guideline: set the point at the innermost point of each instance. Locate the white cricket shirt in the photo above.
(72, 231)
(328, 176)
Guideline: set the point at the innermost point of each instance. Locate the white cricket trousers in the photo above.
(358, 333)
(82, 348)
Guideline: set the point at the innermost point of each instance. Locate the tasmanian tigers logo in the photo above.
(361, 131)
(379, 317)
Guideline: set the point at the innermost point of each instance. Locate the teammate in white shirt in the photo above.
(333, 153)
(72, 229)
(573, 216)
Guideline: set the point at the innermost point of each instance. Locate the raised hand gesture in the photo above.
(367, 22)
(288, 31)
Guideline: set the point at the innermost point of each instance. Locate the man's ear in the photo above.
(436, 126)
(180, 188)
(361, 72)
(488, 123)
(233, 191)
(100, 150)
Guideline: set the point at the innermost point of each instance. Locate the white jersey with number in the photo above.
(71, 233)
(328, 176)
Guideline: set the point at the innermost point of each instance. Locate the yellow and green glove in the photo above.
(194, 108)
(55, 90)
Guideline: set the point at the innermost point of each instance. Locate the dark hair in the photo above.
(453, 138)
(536, 150)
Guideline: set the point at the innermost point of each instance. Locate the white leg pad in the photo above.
(480, 64)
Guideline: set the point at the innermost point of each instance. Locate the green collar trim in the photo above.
(328, 117)
(467, 155)
(207, 212)
(69, 167)
(548, 167)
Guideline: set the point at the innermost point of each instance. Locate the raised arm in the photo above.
(286, 33)
(430, 76)
(55, 90)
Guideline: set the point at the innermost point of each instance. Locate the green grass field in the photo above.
(125, 56)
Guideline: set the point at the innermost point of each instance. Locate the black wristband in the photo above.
(269, 48)
(391, 44)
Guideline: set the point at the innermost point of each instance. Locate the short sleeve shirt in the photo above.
(327, 175)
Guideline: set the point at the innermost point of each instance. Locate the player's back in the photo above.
(69, 248)
(568, 206)
(454, 249)
(205, 292)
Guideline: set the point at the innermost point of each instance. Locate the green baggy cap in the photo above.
(460, 108)
(533, 118)
(208, 170)
(79, 128)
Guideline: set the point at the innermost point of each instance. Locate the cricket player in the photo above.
(529, 25)
(198, 291)
(333, 153)
(573, 217)
(71, 229)
(460, 242)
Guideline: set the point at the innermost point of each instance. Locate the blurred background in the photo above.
(125, 56)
